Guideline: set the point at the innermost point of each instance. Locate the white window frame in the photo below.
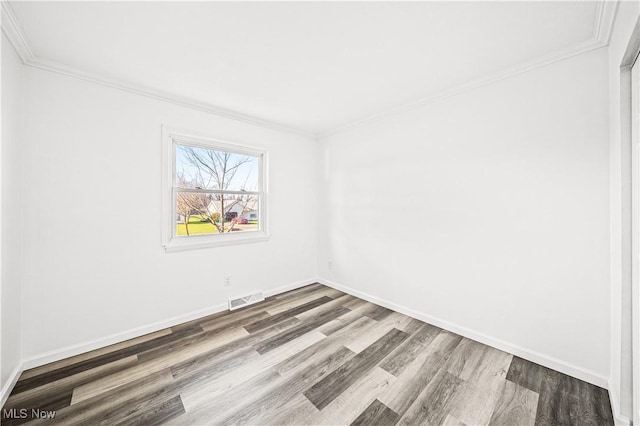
(172, 242)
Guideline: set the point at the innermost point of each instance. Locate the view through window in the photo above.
(216, 191)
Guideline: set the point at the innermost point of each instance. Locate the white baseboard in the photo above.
(290, 287)
(69, 351)
(8, 387)
(619, 419)
(533, 356)
(80, 348)
(73, 350)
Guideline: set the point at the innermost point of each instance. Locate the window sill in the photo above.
(196, 242)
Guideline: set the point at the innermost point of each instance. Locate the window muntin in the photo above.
(216, 193)
(207, 168)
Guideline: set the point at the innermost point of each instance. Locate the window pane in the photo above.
(212, 169)
(198, 213)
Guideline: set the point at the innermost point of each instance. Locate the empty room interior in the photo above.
(320, 213)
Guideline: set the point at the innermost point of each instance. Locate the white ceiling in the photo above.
(311, 66)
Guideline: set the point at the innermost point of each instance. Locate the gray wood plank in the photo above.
(415, 378)
(197, 372)
(224, 384)
(209, 409)
(240, 348)
(330, 344)
(287, 304)
(92, 354)
(376, 414)
(466, 358)
(295, 412)
(517, 405)
(256, 409)
(526, 373)
(414, 325)
(208, 369)
(299, 291)
(270, 320)
(228, 322)
(91, 363)
(236, 314)
(132, 395)
(156, 415)
(185, 344)
(320, 309)
(453, 421)
(52, 402)
(348, 318)
(567, 400)
(111, 381)
(30, 398)
(354, 400)
(404, 355)
(297, 331)
(431, 406)
(320, 348)
(325, 391)
(474, 403)
(360, 342)
(379, 313)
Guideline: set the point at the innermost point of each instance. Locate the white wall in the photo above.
(11, 212)
(488, 210)
(499, 225)
(93, 261)
(620, 155)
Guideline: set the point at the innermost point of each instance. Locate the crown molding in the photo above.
(12, 29)
(162, 96)
(602, 29)
(541, 62)
(603, 25)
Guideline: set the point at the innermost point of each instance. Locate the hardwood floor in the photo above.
(310, 356)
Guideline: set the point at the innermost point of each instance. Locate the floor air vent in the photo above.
(239, 302)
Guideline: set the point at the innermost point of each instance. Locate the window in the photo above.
(214, 192)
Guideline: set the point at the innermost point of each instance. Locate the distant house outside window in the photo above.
(214, 194)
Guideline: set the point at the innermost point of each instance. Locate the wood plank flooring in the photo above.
(312, 356)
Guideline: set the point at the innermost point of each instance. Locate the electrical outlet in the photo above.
(227, 281)
(330, 264)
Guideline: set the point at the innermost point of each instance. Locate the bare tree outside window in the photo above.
(217, 191)
(189, 203)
